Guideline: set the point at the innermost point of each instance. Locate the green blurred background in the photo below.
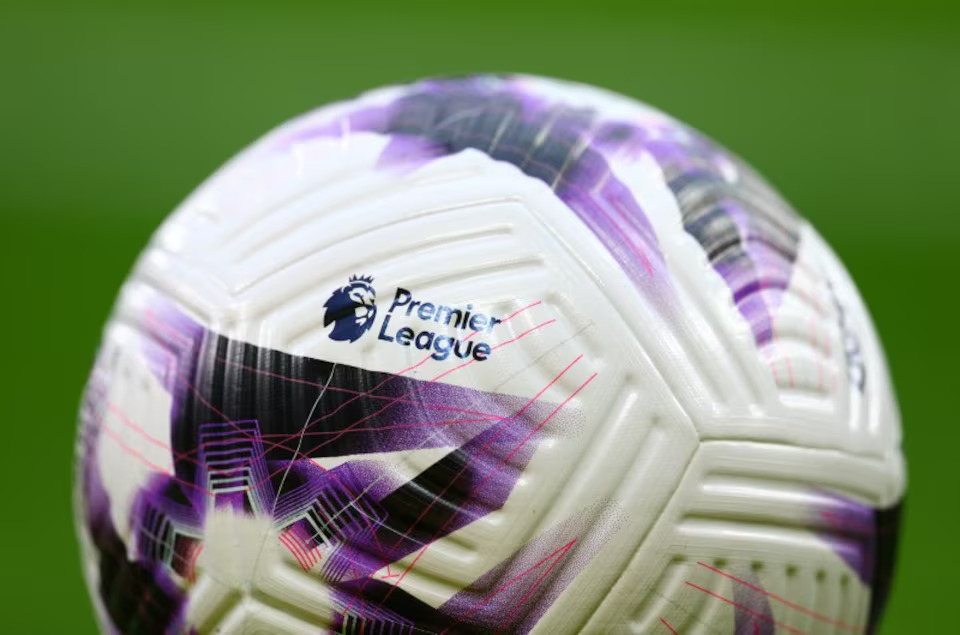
(111, 114)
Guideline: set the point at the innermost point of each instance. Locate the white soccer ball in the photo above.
(488, 354)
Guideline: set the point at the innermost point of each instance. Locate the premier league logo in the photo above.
(351, 309)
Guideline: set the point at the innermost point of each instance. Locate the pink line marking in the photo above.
(490, 470)
(489, 443)
(297, 551)
(536, 585)
(244, 434)
(773, 596)
(134, 453)
(524, 334)
(563, 548)
(194, 558)
(748, 610)
(295, 435)
(157, 323)
(625, 213)
(522, 309)
(550, 416)
(127, 421)
(184, 455)
(667, 624)
(443, 527)
(305, 454)
(332, 388)
(391, 402)
(397, 426)
(510, 341)
(163, 327)
(595, 193)
(368, 393)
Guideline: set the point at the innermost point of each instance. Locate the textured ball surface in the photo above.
(488, 354)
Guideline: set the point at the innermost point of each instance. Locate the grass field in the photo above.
(111, 115)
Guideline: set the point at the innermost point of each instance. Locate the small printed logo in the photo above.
(351, 309)
(444, 330)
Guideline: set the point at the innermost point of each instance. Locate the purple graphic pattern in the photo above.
(750, 235)
(343, 524)
(753, 614)
(866, 539)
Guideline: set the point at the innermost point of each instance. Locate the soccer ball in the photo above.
(488, 354)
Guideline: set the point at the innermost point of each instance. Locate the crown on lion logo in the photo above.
(351, 309)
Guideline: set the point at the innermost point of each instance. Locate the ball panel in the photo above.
(668, 410)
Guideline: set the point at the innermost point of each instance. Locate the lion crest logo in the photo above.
(351, 309)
